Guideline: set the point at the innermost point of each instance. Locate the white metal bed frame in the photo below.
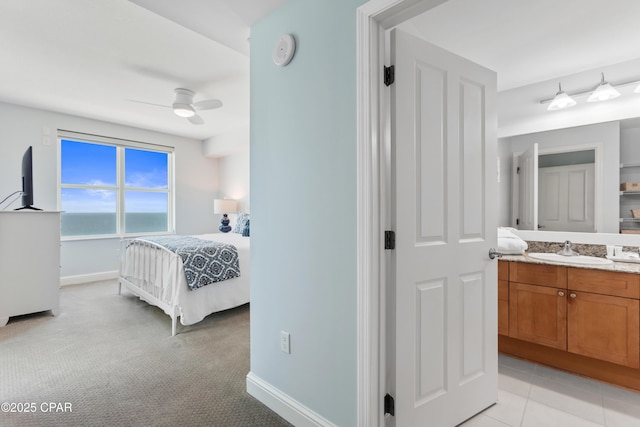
(139, 273)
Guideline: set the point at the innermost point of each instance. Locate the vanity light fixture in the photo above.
(603, 92)
(561, 100)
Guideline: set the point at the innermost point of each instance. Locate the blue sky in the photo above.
(94, 164)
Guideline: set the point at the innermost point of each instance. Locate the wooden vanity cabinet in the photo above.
(537, 304)
(585, 321)
(599, 323)
(503, 297)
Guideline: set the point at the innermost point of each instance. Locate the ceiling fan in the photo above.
(183, 106)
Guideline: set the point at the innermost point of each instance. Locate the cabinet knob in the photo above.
(572, 295)
(560, 293)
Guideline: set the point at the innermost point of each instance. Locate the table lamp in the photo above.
(224, 207)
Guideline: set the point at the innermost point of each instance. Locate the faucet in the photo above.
(566, 250)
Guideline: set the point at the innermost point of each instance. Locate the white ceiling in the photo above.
(91, 57)
(528, 41)
(226, 21)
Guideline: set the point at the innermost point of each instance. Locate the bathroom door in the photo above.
(565, 198)
(444, 183)
(526, 175)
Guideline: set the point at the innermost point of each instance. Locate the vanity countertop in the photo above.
(622, 267)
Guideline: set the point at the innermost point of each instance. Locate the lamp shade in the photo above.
(603, 92)
(561, 100)
(224, 206)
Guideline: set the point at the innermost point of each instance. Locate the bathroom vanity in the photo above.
(583, 319)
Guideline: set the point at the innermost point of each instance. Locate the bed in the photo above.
(157, 275)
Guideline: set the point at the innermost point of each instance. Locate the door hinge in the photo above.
(389, 239)
(518, 170)
(389, 75)
(517, 221)
(389, 405)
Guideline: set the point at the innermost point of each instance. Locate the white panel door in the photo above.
(528, 189)
(444, 187)
(565, 198)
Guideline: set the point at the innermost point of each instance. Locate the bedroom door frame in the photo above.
(374, 19)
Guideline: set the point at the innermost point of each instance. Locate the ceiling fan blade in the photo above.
(149, 103)
(196, 120)
(207, 104)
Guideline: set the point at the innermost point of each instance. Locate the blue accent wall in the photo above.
(303, 206)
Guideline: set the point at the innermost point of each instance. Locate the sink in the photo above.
(579, 259)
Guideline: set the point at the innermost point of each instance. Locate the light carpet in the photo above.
(109, 360)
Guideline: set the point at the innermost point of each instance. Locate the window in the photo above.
(110, 187)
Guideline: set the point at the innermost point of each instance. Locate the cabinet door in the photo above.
(538, 314)
(503, 297)
(604, 327)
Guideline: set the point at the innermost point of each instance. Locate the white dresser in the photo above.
(29, 263)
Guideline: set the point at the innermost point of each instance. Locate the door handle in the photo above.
(493, 254)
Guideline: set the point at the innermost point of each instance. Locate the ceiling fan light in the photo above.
(183, 110)
(603, 92)
(561, 100)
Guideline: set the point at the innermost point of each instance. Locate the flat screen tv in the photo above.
(27, 181)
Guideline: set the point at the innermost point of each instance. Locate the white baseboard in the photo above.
(283, 404)
(88, 278)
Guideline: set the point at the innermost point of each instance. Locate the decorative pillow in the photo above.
(245, 232)
(241, 222)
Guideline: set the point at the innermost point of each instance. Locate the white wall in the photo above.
(232, 152)
(196, 183)
(227, 143)
(234, 178)
(607, 134)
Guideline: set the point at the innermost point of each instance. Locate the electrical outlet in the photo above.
(285, 342)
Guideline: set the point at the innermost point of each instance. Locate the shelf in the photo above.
(630, 193)
(629, 219)
(629, 165)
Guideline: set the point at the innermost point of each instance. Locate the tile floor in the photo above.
(532, 395)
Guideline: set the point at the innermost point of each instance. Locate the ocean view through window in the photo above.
(114, 188)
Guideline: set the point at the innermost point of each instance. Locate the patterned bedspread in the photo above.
(204, 261)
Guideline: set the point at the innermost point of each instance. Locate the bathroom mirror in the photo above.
(555, 189)
(565, 180)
